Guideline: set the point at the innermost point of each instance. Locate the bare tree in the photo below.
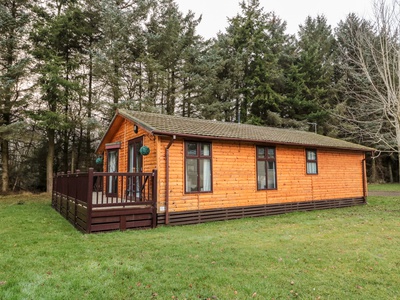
(372, 82)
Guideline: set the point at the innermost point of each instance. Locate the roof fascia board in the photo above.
(105, 134)
(206, 137)
(139, 122)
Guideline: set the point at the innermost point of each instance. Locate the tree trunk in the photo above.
(398, 161)
(390, 170)
(8, 95)
(89, 110)
(49, 161)
(237, 110)
(65, 151)
(115, 84)
(73, 154)
(5, 166)
(398, 138)
(373, 171)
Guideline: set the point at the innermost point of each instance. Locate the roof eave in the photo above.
(106, 133)
(193, 136)
(122, 114)
(137, 121)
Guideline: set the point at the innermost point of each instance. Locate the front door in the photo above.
(135, 164)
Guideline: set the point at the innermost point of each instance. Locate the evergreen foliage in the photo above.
(77, 61)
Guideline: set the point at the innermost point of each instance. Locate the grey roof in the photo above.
(190, 127)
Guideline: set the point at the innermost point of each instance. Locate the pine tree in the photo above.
(119, 53)
(59, 37)
(256, 48)
(170, 39)
(14, 20)
(314, 73)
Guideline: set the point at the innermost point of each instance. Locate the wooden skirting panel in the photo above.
(104, 219)
(122, 219)
(202, 216)
(74, 211)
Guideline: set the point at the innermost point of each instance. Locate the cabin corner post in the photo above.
(89, 200)
(364, 179)
(173, 138)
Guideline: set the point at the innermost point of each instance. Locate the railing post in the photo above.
(154, 196)
(89, 200)
(77, 179)
(67, 194)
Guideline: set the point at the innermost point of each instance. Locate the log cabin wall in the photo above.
(234, 178)
(124, 133)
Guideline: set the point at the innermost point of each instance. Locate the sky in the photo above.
(294, 12)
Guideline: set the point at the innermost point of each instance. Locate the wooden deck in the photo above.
(90, 209)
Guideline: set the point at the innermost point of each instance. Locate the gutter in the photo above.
(363, 180)
(173, 138)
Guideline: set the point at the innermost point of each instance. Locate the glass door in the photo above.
(135, 166)
(112, 167)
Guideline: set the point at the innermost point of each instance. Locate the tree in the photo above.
(372, 109)
(58, 37)
(14, 20)
(313, 76)
(170, 43)
(93, 34)
(119, 53)
(256, 50)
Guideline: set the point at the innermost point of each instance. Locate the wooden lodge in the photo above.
(162, 169)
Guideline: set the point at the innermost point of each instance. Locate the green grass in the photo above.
(390, 187)
(351, 253)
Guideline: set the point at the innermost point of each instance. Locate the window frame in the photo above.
(266, 159)
(198, 157)
(313, 161)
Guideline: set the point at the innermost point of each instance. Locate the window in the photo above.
(311, 162)
(198, 167)
(266, 168)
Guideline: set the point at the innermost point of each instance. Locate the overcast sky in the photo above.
(294, 12)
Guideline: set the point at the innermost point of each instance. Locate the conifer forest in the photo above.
(67, 65)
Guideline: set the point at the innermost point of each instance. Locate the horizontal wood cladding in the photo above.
(202, 216)
(234, 173)
(234, 177)
(123, 134)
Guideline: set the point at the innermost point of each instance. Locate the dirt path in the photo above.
(384, 193)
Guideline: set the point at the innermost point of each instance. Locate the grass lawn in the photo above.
(351, 253)
(390, 187)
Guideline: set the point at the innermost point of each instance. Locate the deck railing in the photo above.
(104, 189)
(74, 186)
(116, 189)
(101, 201)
